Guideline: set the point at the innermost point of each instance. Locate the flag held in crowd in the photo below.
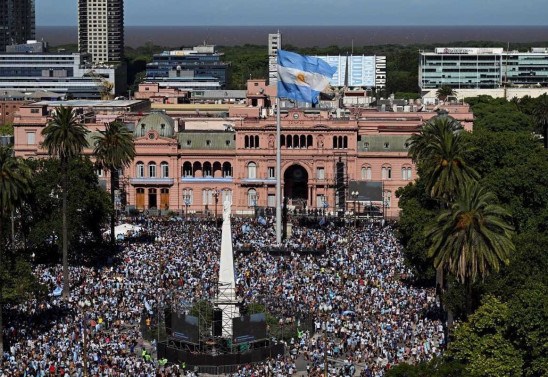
(302, 78)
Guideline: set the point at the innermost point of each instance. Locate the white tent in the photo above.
(123, 230)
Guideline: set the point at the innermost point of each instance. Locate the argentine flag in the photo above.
(302, 78)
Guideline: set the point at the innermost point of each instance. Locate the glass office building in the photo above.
(482, 68)
(200, 61)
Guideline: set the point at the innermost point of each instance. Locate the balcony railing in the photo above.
(151, 181)
(190, 179)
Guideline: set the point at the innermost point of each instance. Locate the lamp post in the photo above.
(216, 197)
(355, 197)
(255, 203)
(83, 306)
(187, 203)
(323, 316)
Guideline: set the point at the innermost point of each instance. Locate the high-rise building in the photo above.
(274, 44)
(101, 29)
(17, 22)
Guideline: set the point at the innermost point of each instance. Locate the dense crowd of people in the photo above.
(365, 317)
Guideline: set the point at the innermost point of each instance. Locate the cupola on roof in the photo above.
(156, 121)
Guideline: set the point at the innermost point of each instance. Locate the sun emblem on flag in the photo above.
(301, 78)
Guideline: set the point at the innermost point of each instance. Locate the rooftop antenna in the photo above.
(352, 46)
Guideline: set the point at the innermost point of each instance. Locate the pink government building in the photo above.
(191, 160)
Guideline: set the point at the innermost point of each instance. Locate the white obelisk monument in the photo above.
(227, 284)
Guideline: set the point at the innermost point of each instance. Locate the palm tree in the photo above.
(472, 237)
(14, 184)
(444, 92)
(65, 138)
(114, 150)
(540, 113)
(439, 150)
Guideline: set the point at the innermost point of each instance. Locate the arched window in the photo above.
(162, 130)
(282, 140)
(387, 199)
(226, 194)
(187, 169)
(227, 170)
(252, 170)
(345, 142)
(256, 141)
(302, 141)
(246, 141)
(252, 198)
(406, 173)
(152, 169)
(289, 141)
(164, 167)
(386, 172)
(196, 167)
(188, 198)
(335, 143)
(140, 170)
(207, 196)
(207, 169)
(217, 169)
(309, 141)
(295, 141)
(142, 130)
(366, 173)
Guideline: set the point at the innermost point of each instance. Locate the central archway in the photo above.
(296, 184)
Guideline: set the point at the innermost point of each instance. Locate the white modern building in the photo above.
(68, 74)
(483, 68)
(101, 29)
(274, 44)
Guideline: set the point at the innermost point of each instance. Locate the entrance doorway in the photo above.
(296, 185)
(164, 198)
(140, 198)
(152, 198)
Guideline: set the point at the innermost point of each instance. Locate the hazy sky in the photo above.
(311, 12)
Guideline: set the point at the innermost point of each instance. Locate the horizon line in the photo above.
(263, 25)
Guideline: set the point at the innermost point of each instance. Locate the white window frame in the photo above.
(386, 172)
(152, 170)
(31, 138)
(188, 194)
(140, 170)
(320, 173)
(252, 199)
(252, 170)
(366, 173)
(164, 167)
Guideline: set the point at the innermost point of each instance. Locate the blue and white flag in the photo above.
(302, 78)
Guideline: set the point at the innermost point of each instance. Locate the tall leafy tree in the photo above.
(114, 149)
(65, 138)
(439, 150)
(540, 112)
(444, 92)
(14, 185)
(472, 237)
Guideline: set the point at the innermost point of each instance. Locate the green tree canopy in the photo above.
(472, 237)
(440, 151)
(114, 149)
(482, 343)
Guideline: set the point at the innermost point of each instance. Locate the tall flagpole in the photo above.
(278, 175)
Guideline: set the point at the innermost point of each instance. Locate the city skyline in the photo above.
(313, 13)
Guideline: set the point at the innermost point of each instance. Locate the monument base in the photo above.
(205, 357)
